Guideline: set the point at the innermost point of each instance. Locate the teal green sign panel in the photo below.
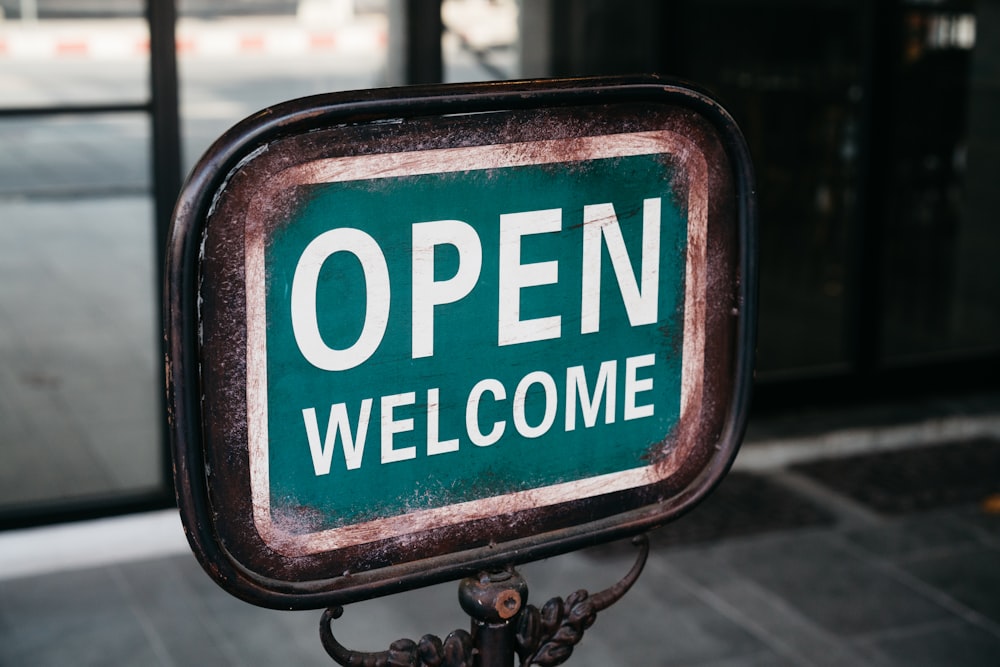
(448, 335)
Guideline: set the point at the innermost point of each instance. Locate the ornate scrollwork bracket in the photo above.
(457, 650)
(547, 637)
(502, 626)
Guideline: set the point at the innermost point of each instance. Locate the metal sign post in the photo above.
(503, 624)
(425, 333)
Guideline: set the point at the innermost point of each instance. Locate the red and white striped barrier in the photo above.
(123, 39)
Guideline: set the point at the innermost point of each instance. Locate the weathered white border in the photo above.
(447, 160)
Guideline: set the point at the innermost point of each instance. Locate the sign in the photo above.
(415, 336)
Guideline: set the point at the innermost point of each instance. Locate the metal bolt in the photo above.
(508, 604)
(493, 597)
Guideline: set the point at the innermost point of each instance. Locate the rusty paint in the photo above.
(255, 190)
(284, 533)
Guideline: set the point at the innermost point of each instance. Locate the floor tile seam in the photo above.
(753, 658)
(71, 191)
(753, 539)
(769, 639)
(59, 403)
(80, 426)
(92, 447)
(984, 536)
(207, 620)
(808, 532)
(847, 511)
(908, 631)
(146, 625)
(925, 555)
(920, 587)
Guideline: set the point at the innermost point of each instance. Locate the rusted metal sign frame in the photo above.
(196, 377)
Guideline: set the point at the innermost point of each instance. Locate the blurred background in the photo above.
(874, 128)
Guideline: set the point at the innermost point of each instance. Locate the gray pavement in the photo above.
(841, 588)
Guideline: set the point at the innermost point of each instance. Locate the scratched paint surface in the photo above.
(389, 475)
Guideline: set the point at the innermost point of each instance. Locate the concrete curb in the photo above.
(771, 454)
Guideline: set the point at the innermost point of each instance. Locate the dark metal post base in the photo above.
(503, 624)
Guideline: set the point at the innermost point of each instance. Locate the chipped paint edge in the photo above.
(450, 160)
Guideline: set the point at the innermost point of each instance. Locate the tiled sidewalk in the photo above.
(813, 578)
